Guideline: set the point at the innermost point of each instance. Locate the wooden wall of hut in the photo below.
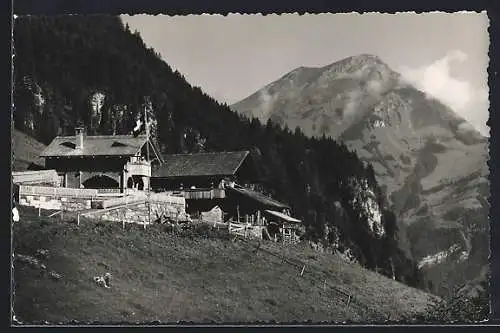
(195, 207)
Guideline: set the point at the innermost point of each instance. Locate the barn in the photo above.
(210, 182)
(200, 171)
(201, 177)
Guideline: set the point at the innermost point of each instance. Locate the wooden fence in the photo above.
(346, 297)
(57, 191)
(116, 202)
(245, 230)
(239, 229)
(98, 212)
(120, 214)
(109, 190)
(198, 194)
(41, 176)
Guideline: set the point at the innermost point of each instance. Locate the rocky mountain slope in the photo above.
(431, 162)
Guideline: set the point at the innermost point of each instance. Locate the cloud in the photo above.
(436, 80)
(266, 104)
(352, 103)
(374, 86)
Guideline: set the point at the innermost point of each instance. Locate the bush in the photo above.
(458, 309)
(196, 231)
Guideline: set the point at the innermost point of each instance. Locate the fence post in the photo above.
(78, 219)
(348, 300)
(39, 211)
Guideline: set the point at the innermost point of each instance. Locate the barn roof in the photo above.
(95, 145)
(201, 164)
(259, 197)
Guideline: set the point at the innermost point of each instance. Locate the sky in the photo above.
(231, 57)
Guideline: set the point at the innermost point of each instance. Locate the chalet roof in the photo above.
(259, 197)
(95, 145)
(201, 164)
(283, 216)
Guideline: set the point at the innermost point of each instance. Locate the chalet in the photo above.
(210, 183)
(203, 175)
(114, 162)
(210, 179)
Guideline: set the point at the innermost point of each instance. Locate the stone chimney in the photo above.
(79, 135)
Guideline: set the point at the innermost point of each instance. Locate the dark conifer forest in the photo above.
(61, 62)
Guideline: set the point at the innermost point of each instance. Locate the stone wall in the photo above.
(54, 202)
(161, 206)
(214, 215)
(139, 212)
(75, 204)
(55, 198)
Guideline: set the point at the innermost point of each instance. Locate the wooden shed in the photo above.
(283, 227)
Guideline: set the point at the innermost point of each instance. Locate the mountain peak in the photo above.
(418, 148)
(363, 59)
(366, 67)
(367, 57)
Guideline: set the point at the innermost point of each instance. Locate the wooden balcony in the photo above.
(141, 168)
(200, 193)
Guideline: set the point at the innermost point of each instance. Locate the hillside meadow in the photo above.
(199, 275)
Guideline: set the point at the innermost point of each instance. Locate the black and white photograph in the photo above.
(247, 168)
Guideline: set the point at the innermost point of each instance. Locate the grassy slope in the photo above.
(25, 150)
(168, 277)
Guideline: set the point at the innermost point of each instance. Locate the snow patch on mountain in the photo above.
(434, 259)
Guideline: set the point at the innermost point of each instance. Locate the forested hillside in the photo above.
(95, 71)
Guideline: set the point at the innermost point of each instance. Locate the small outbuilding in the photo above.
(282, 226)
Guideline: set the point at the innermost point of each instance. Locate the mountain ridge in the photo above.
(412, 140)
